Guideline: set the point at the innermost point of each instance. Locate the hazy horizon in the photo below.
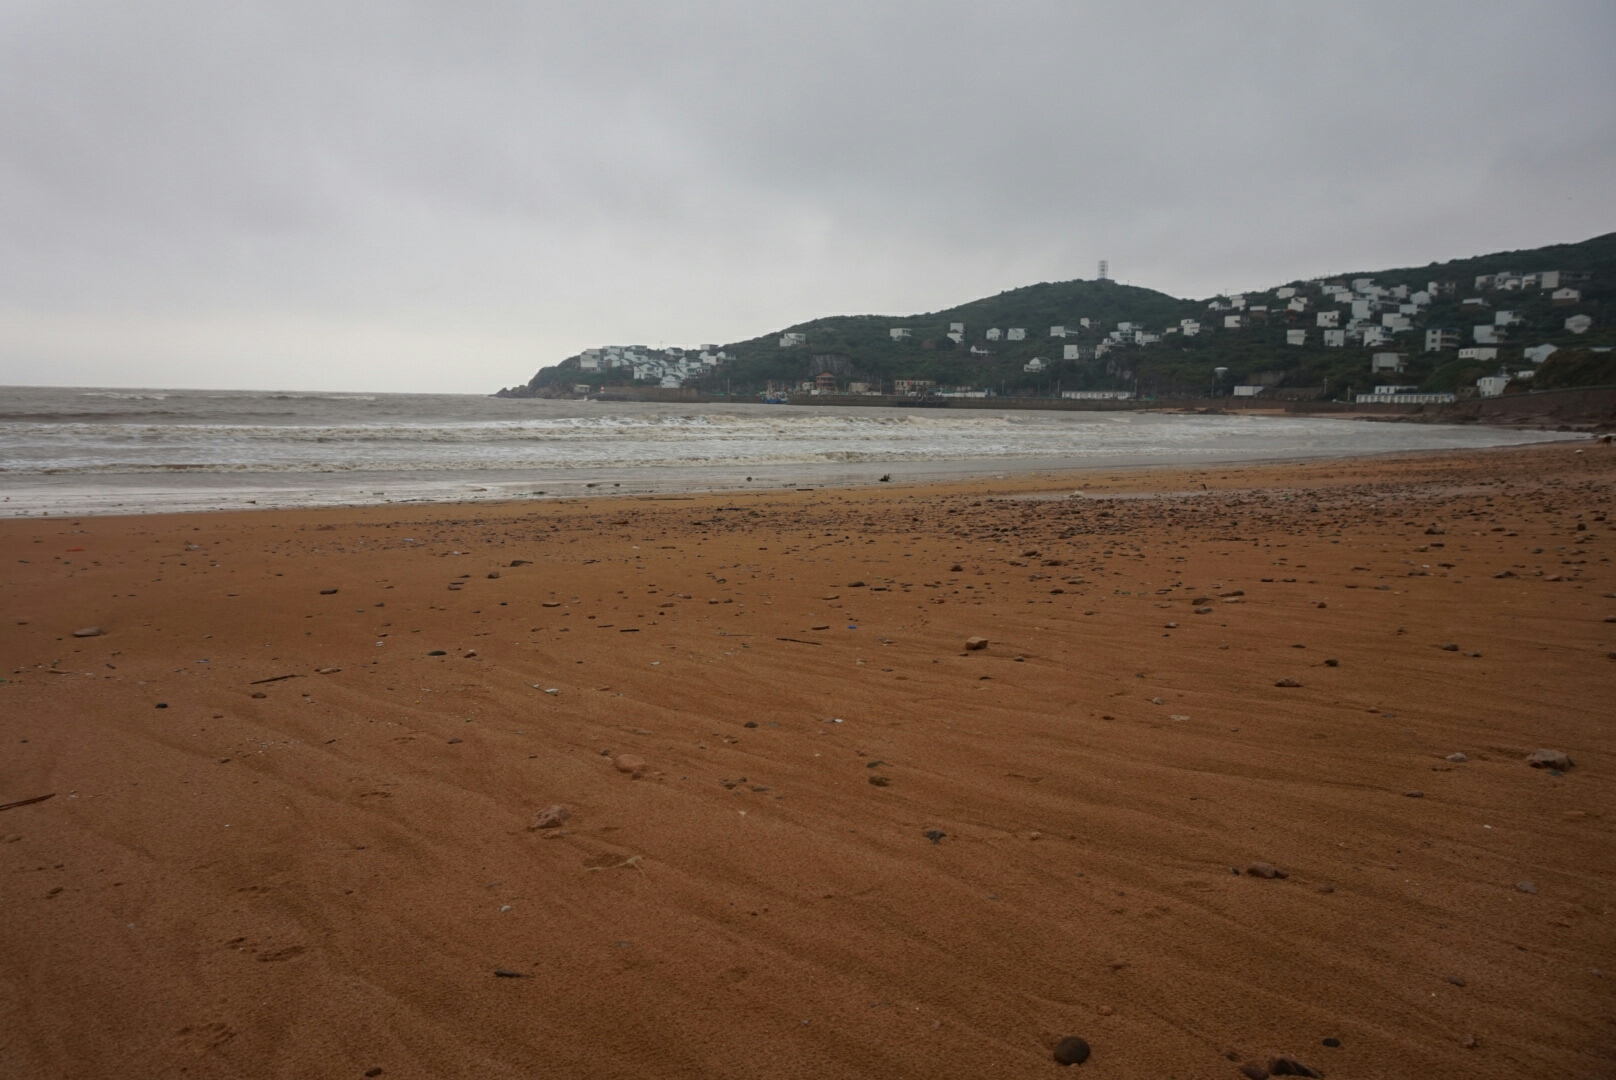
(425, 198)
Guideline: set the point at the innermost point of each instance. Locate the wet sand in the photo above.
(324, 875)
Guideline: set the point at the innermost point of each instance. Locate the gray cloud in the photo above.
(437, 196)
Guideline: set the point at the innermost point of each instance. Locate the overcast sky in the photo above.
(445, 196)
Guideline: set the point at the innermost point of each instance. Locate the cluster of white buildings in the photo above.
(668, 367)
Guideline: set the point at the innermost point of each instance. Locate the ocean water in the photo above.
(83, 451)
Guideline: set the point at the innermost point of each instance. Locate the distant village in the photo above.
(1332, 313)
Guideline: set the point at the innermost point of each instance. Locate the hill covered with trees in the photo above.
(1122, 337)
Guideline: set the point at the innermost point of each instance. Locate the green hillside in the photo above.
(860, 348)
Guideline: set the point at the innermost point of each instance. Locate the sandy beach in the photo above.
(295, 775)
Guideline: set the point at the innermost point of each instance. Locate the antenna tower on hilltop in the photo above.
(1105, 270)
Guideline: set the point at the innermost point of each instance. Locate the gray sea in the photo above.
(87, 451)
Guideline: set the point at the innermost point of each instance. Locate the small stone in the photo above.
(1469, 1042)
(377, 1071)
(493, 574)
(1332, 663)
(162, 704)
(1265, 870)
(455, 740)
(1289, 1066)
(1071, 1051)
(1325, 889)
(88, 631)
(1413, 794)
(1458, 759)
(1526, 887)
(750, 723)
(1448, 647)
(1254, 1072)
(1332, 1043)
(632, 764)
(328, 592)
(1203, 611)
(1105, 1010)
(1456, 980)
(974, 643)
(259, 694)
(881, 781)
(437, 652)
(551, 817)
(934, 835)
(1157, 701)
(1287, 682)
(1549, 759)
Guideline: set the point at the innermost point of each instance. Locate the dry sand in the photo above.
(320, 876)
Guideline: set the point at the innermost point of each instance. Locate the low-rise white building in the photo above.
(1479, 352)
(1335, 339)
(1017, 333)
(1097, 395)
(1565, 296)
(956, 328)
(1386, 361)
(1485, 335)
(1231, 322)
(1376, 335)
(995, 334)
(1328, 320)
(1579, 324)
(1286, 293)
(1189, 327)
(1396, 323)
(1439, 339)
(1247, 391)
(1492, 385)
(1069, 352)
(1037, 363)
(1539, 353)
(1405, 398)
(1507, 318)
(900, 333)
(793, 338)
(1057, 331)
(1296, 337)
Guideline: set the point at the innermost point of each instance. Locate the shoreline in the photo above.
(296, 778)
(27, 496)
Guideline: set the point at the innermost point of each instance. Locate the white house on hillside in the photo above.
(1017, 333)
(899, 333)
(995, 334)
(1296, 337)
(1578, 324)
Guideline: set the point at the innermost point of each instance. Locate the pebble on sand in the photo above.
(551, 817)
(1289, 1066)
(88, 631)
(1265, 870)
(1287, 682)
(1071, 1051)
(632, 764)
(974, 643)
(328, 592)
(1549, 759)
(1458, 759)
(1526, 887)
(1254, 1072)
(1413, 794)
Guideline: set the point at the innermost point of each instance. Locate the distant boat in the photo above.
(776, 399)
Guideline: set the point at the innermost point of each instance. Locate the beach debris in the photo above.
(1253, 1072)
(976, 643)
(1287, 682)
(88, 631)
(1071, 1051)
(456, 739)
(162, 705)
(551, 817)
(328, 592)
(934, 835)
(1526, 887)
(521, 562)
(493, 574)
(1332, 662)
(881, 781)
(259, 694)
(1456, 980)
(1457, 759)
(1289, 1066)
(1549, 759)
(1332, 1043)
(1265, 870)
(374, 1072)
(1413, 794)
(26, 802)
(327, 670)
(507, 973)
(1448, 646)
(632, 764)
(438, 652)
(1469, 1042)
(272, 678)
